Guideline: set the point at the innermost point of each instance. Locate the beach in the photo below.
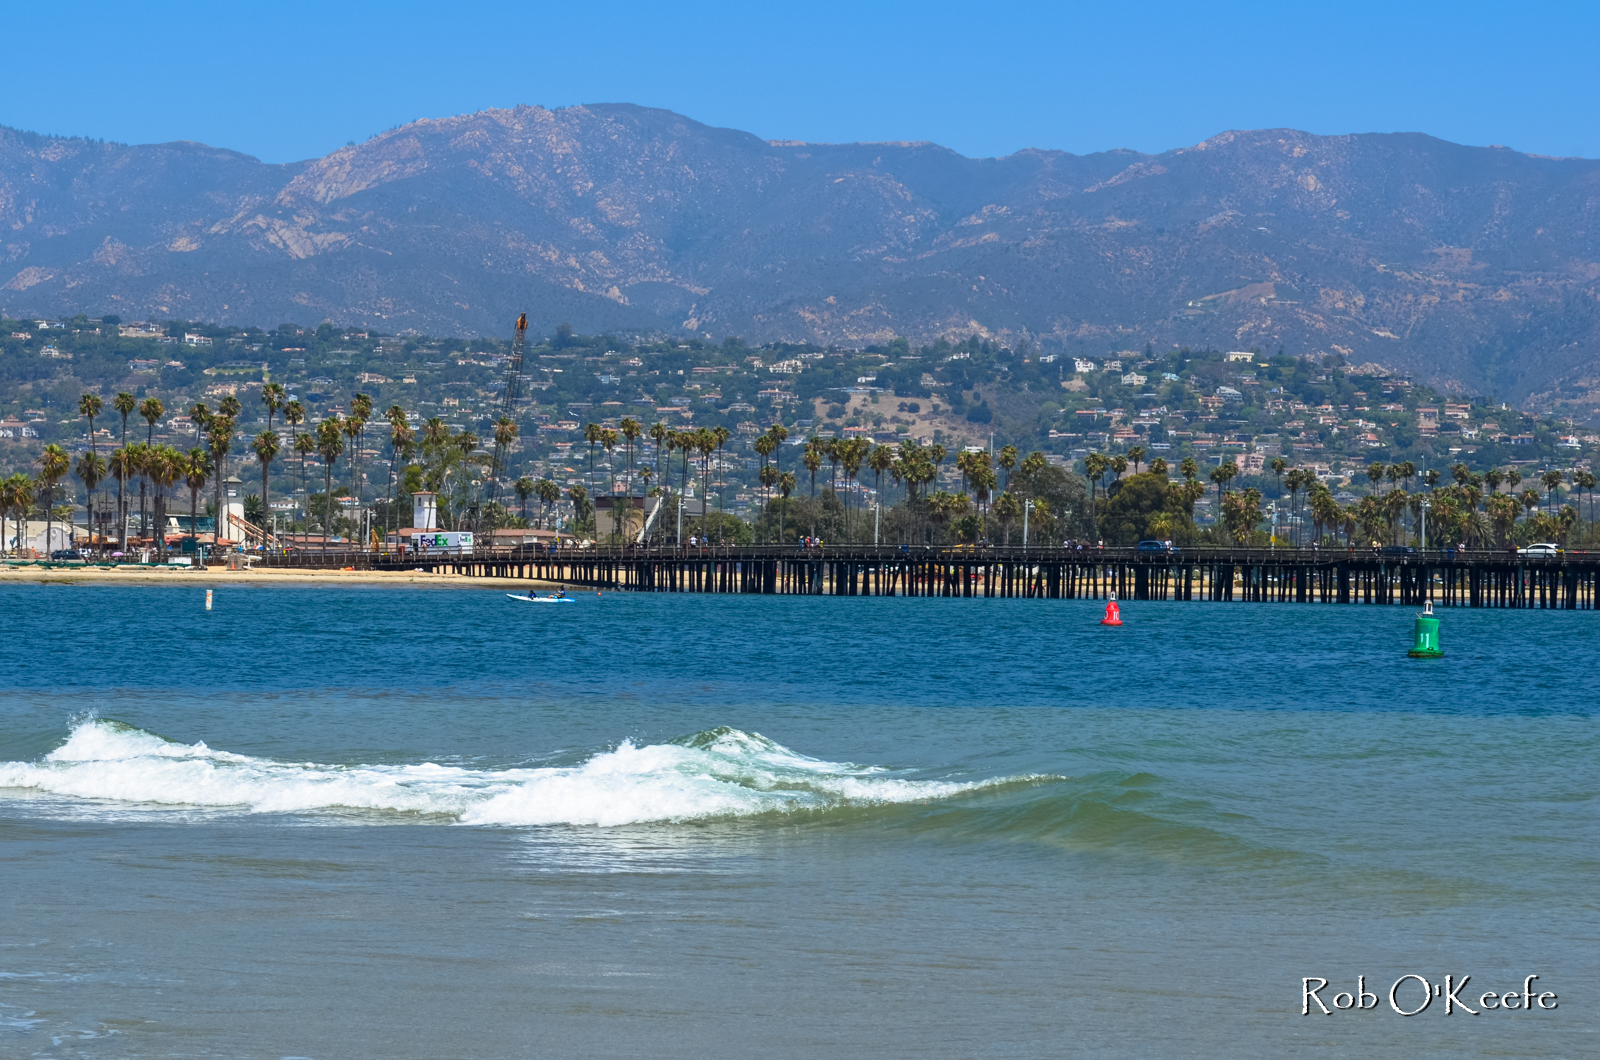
(218, 575)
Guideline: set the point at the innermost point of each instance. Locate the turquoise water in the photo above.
(380, 822)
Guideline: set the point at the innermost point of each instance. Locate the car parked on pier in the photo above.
(1157, 546)
(1542, 548)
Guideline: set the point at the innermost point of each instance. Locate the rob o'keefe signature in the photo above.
(1403, 996)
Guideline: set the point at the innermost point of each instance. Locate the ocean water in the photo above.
(421, 823)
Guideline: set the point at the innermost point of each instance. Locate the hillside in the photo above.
(1476, 270)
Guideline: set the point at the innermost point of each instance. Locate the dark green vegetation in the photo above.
(1470, 268)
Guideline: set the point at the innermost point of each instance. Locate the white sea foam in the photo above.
(719, 773)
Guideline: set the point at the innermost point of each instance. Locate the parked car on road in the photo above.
(1542, 548)
(66, 553)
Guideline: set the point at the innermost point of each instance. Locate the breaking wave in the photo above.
(719, 773)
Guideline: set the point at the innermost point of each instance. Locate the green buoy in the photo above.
(1427, 640)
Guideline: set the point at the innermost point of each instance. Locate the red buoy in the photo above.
(1113, 614)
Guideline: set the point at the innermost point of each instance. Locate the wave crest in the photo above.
(718, 773)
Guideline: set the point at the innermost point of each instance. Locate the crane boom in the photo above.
(508, 400)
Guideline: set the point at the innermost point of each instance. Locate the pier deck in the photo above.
(1449, 579)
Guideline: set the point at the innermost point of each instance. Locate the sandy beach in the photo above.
(217, 575)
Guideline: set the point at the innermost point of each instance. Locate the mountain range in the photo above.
(1475, 269)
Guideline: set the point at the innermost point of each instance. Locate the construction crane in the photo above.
(509, 396)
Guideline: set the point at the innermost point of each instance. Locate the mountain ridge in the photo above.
(1474, 268)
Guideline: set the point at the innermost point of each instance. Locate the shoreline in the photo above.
(218, 575)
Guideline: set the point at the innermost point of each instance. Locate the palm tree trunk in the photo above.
(266, 508)
(327, 505)
(194, 529)
(158, 502)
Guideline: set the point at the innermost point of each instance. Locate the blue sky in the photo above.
(287, 81)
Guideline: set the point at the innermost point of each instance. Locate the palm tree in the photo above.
(165, 468)
(230, 407)
(632, 432)
(124, 403)
(294, 414)
(330, 444)
(266, 449)
(90, 406)
(852, 455)
(274, 397)
(196, 466)
(53, 463)
(831, 448)
(1530, 500)
(723, 436)
(16, 496)
(524, 489)
(811, 457)
(1008, 461)
(150, 409)
(91, 470)
(219, 439)
(200, 416)
(778, 433)
(504, 432)
(401, 438)
(121, 464)
(764, 445)
(1586, 480)
(786, 484)
(1095, 465)
(658, 434)
(705, 441)
(592, 434)
(352, 427)
(1552, 480)
(608, 442)
(679, 441)
(1136, 457)
(881, 459)
(362, 413)
(1222, 474)
(304, 446)
(548, 493)
(582, 507)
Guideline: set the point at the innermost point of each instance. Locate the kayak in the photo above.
(541, 599)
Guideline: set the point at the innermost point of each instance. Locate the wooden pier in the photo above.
(1449, 579)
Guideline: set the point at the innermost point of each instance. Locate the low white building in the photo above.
(33, 534)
